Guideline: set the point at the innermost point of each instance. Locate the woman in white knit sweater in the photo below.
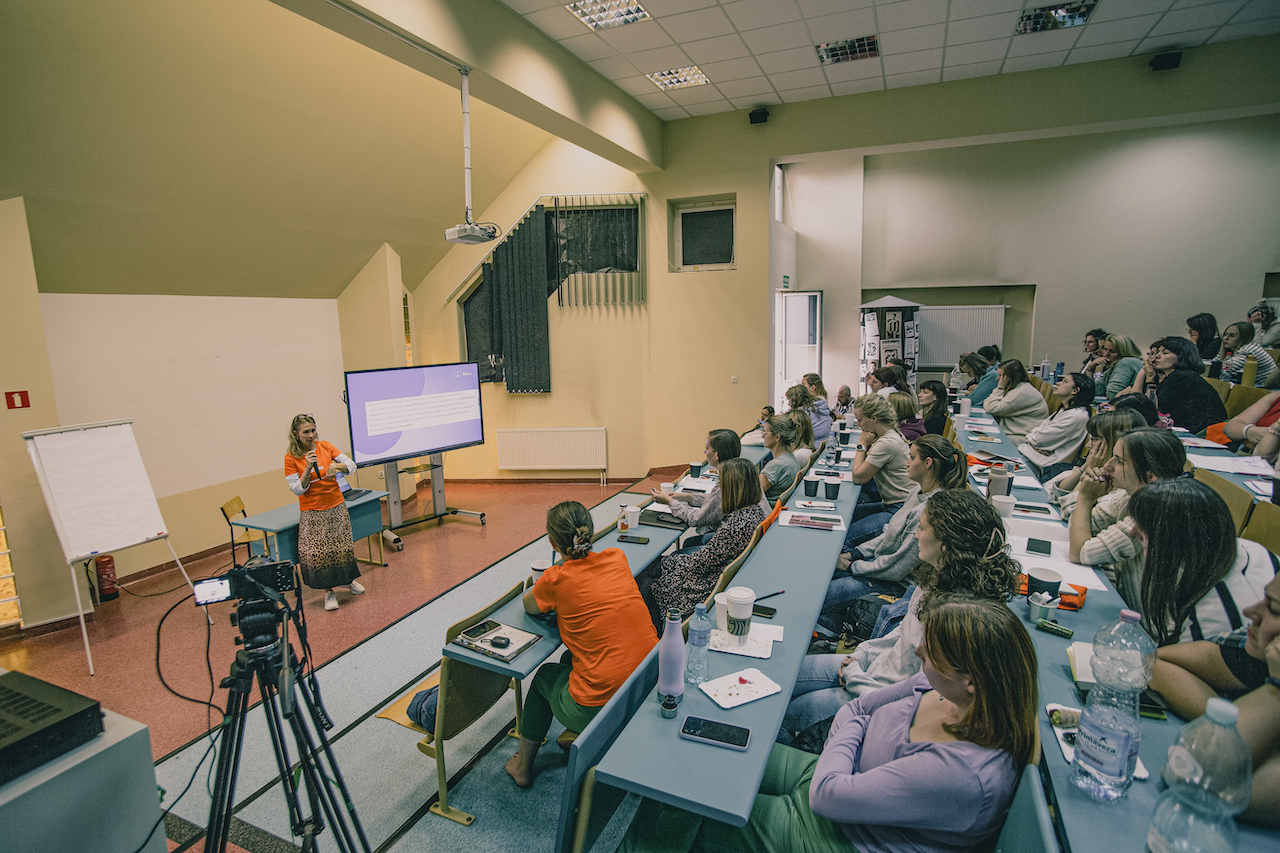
(1015, 404)
(1051, 447)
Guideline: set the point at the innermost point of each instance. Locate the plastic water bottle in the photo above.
(999, 482)
(1046, 367)
(1110, 729)
(1210, 755)
(622, 518)
(1190, 820)
(696, 664)
(1059, 372)
(671, 658)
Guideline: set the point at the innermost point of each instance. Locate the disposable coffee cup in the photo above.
(966, 406)
(1042, 611)
(811, 482)
(633, 517)
(1040, 579)
(741, 600)
(695, 469)
(667, 487)
(536, 568)
(839, 454)
(844, 435)
(1004, 505)
(833, 487)
(955, 407)
(722, 612)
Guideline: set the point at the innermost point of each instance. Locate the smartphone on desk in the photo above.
(475, 632)
(715, 733)
(634, 540)
(764, 611)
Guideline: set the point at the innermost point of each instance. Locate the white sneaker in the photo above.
(356, 588)
(330, 600)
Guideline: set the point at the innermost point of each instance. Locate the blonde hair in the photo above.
(816, 381)
(904, 404)
(295, 446)
(570, 529)
(876, 408)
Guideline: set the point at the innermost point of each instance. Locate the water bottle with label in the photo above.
(671, 658)
(1190, 820)
(696, 663)
(1210, 755)
(622, 518)
(1110, 729)
(999, 482)
(1046, 368)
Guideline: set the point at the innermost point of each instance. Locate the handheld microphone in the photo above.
(316, 469)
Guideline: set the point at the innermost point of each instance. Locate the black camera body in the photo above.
(239, 582)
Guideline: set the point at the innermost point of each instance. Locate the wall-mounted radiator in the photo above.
(555, 449)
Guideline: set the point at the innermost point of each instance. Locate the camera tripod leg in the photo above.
(232, 739)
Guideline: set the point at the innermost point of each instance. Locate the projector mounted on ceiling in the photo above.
(469, 233)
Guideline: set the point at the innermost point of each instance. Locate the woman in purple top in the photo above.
(929, 765)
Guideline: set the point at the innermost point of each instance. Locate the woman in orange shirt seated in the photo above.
(326, 553)
(602, 620)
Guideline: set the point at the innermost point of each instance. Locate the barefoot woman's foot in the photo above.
(513, 770)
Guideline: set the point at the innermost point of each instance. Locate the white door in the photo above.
(798, 339)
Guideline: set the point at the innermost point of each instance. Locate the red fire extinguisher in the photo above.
(106, 568)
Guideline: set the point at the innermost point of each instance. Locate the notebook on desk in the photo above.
(480, 638)
(653, 518)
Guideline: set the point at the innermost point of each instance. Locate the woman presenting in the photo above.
(326, 553)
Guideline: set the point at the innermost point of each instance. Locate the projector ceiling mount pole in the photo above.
(466, 142)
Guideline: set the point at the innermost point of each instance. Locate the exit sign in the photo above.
(17, 400)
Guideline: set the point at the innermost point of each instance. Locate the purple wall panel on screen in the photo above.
(413, 411)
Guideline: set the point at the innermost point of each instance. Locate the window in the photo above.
(704, 235)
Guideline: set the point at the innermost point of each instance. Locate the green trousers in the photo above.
(549, 696)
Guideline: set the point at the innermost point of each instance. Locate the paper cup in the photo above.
(1040, 611)
(536, 568)
(695, 468)
(811, 482)
(633, 517)
(833, 487)
(741, 600)
(667, 487)
(844, 436)
(1040, 579)
(966, 406)
(839, 455)
(722, 611)
(1004, 505)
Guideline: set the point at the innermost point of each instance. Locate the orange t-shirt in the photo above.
(602, 619)
(320, 494)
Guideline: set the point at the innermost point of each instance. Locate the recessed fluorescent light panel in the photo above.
(678, 78)
(1053, 17)
(847, 50)
(603, 14)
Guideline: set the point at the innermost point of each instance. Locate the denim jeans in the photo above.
(865, 529)
(817, 695)
(847, 589)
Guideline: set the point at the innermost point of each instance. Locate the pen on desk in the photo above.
(770, 595)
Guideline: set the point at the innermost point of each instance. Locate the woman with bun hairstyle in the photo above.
(1016, 405)
(778, 473)
(820, 411)
(1173, 371)
(1051, 447)
(880, 457)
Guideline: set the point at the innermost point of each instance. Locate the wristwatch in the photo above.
(860, 448)
(1273, 681)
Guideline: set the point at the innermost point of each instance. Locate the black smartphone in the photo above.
(1042, 510)
(634, 540)
(475, 632)
(715, 733)
(1040, 546)
(764, 610)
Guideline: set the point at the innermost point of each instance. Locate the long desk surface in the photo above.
(651, 759)
(282, 523)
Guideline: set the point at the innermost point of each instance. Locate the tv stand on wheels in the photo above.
(438, 508)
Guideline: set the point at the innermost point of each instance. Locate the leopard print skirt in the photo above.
(326, 554)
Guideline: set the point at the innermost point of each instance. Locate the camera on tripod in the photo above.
(259, 585)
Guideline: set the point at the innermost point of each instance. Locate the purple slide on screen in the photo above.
(403, 412)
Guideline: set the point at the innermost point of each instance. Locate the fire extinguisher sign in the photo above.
(17, 400)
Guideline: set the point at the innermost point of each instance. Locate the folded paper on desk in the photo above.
(739, 688)
(1255, 465)
(811, 520)
(759, 642)
(1261, 487)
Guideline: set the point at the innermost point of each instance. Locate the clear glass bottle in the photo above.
(622, 518)
(696, 651)
(1210, 755)
(671, 658)
(1191, 820)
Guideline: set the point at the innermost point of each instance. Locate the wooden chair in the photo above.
(467, 692)
(1241, 397)
(786, 496)
(949, 431)
(235, 507)
(1223, 388)
(1036, 381)
(1239, 501)
(1263, 526)
(771, 518)
(1249, 373)
(1052, 401)
(1275, 355)
(1028, 828)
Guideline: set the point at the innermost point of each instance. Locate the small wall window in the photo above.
(704, 236)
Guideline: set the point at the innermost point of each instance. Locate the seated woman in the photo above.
(930, 764)
(1245, 667)
(1051, 447)
(804, 447)
(1139, 403)
(1181, 392)
(1103, 430)
(982, 378)
(1237, 346)
(933, 406)
(703, 511)
(961, 548)
(603, 622)
(880, 551)
(1197, 575)
(820, 412)
(1266, 331)
(755, 437)
(1116, 366)
(780, 471)
(885, 380)
(1202, 331)
(1101, 531)
(910, 424)
(684, 579)
(1252, 425)
(879, 458)
(1015, 404)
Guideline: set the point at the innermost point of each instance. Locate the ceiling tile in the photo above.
(966, 72)
(1176, 41)
(798, 79)
(910, 13)
(857, 87)
(636, 86)
(1034, 62)
(716, 49)
(557, 22)
(981, 29)
(615, 67)
(915, 78)
(733, 69)
(1113, 31)
(1045, 42)
(1098, 53)
(655, 100)
(781, 37)
(525, 6)
(691, 95)
(811, 93)
(745, 88)
(588, 47)
(645, 35)
(1196, 19)
(849, 25)
(754, 14)
(977, 8)
(1187, 4)
(905, 63)
(671, 113)
(815, 8)
(857, 69)
(1255, 11)
(710, 108)
(662, 59)
(788, 60)
(702, 24)
(981, 51)
(752, 103)
(908, 41)
(1127, 9)
(1248, 29)
(659, 8)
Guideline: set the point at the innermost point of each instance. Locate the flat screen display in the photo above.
(403, 412)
